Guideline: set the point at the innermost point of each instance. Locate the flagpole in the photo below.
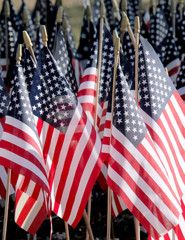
(102, 19)
(116, 41)
(116, 12)
(137, 31)
(88, 12)
(173, 11)
(29, 45)
(124, 6)
(25, 18)
(59, 22)
(123, 27)
(5, 221)
(130, 32)
(141, 10)
(181, 5)
(153, 5)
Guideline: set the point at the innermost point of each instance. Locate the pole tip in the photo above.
(124, 5)
(19, 53)
(25, 15)
(37, 19)
(115, 6)
(102, 9)
(59, 14)
(124, 21)
(173, 6)
(116, 42)
(27, 39)
(7, 9)
(88, 12)
(44, 35)
(137, 25)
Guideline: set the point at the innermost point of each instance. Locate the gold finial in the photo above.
(115, 6)
(44, 35)
(88, 12)
(37, 19)
(137, 25)
(65, 25)
(19, 54)
(102, 9)
(173, 7)
(116, 42)
(124, 6)
(124, 21)
(141, 7)
(59, 14)
(25, 16)
(27, 39)
(7, 8)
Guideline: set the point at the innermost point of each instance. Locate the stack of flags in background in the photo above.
(59, 134)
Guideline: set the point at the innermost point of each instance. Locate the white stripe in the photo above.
(173, 64)
(149, 121)
(136, 201)
(91, 164)
(64, 150)
(3, 176)
(147, 167)
(75, 161)
(87, 85)
(181, 91)
(104, 170)
(178, 110)
(114, 207)
(20, 205)
(1, 130)
(86, 99)
(90, 71)
(178, 154)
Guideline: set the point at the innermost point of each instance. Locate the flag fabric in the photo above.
(135, 172)
(178, 232)
(4, 99)
(38, 42)
(22, 153)
(163, 112)
(70, 144)
(180, 34)
(63, 61)
(86, 40)
(180, 83)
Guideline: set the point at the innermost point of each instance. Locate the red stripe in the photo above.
(39, 126)
(139, 215)
(89, 186)
(64, 172)
(3, 189)
(87, 92)
(117, 203)
(55, 159)
(47, 142)
(89, 78)
(79, 171)
(146, 177)
(173, 71)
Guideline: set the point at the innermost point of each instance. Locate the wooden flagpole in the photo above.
(141, 10)
(123, 27)
(130, 32)
(29, 45)
(65, 28)
(5, 221)
(137, 31)
(116, 12)
(45, 42)
(116, 41)
(153, 5)
(102, 19)
(124, 6)
(181, 5)
(59, 23)
(173, 11)
(88, 13)
(37, 19)
(25, 18)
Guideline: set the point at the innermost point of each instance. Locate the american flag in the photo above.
(38, 42)
(180, 34)
(87, 95)
(63, 61)
(21, 152)
(70, 144)
(163, 112)
(178, 232)
(87, 37)
(180, 83)
(30, 28)
(135, 172)
(16, 21)
(4, 99)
